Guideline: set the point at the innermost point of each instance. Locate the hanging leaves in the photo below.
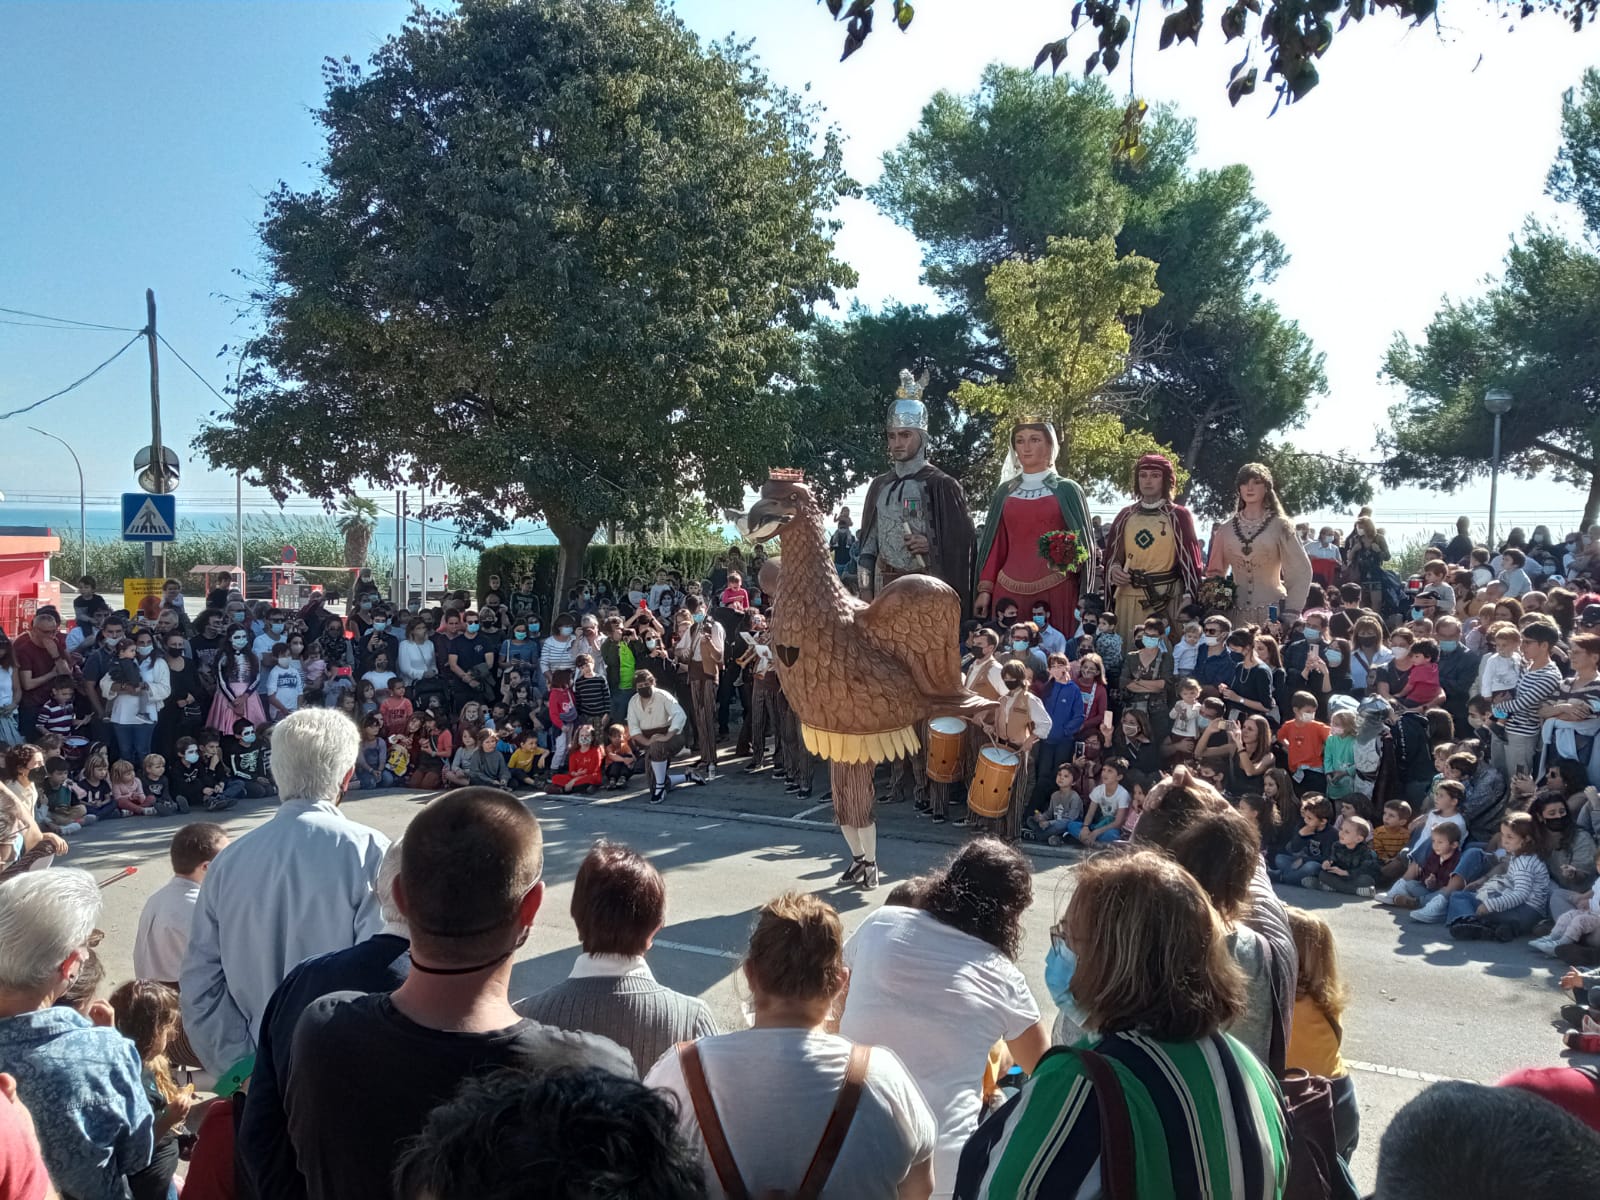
(903, 13)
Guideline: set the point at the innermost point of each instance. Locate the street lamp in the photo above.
(1497, 401)
(83, 526)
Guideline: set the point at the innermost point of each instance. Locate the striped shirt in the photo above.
(1536, 687)
(591, 695)
(1207, 1120)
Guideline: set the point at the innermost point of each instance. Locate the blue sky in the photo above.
(142, 138)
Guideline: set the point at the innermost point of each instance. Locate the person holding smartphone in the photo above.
(1250, 692)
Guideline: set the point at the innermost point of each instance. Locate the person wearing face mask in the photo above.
(560, 649)
(470, 664)
(1019, 722)
(1021, 645)
(239, 680)
(273, 631)
(1458, 670)
(656, 724)
(1051, 639)
(520, 648)
(82, 1082)
(377, 639)
(135, 707)
(1147, 679)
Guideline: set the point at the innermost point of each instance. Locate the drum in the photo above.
(990, 792)
(944, 748)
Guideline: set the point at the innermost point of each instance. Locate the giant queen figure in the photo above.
(1259, 549)
(1032, 501)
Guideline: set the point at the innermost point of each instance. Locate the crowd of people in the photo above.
(1428, 744)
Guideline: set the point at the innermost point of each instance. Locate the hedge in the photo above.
(614, 564)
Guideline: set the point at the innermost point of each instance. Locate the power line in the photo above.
(76, 382)
(20, 312)
(62, 328)
(192, 371)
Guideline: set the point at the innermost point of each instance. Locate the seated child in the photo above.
(1304, 852)
(1391, 837)
(1514, 897)
(1351, 866)
(527, 761)
(1576, 923)
(372, 758)
(163, 932)
(455, 772)
(1422, 685)
(1108, 806)
(1447, 797)
(59, 797)
(1429, 876)
(1264, 813)
(1065, 807)
(59, 714)
(196, 780)
(584, 770)
(395, 711)
(94, 788)
(158, 785)
(486, 766)
(431, 750)
(244, 766)
(129, 792)
(620, 760)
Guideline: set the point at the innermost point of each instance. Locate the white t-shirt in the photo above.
(287, 682)
(163, 933)
(938, 998)
(1107, 806)
(379, 680)
(774, 1090)
(1433, 820)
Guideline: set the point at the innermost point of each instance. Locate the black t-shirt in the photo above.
(365, 1077)
(471, 650)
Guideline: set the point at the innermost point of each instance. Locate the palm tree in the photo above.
(358, 522)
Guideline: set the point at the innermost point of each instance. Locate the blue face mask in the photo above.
(191, 756)
(1334, 657)
(1150, 643)
(534, 625)
(1416, 614)
(1040, 620)
(239, 618)
(144, 651)
(246, 738)
(699, 618)
(472, 627)
(521, 635)
(1019, 643)
(380, 625)
(1448, 646)
(1060, 964)
(1203, 722)
(1313, 635)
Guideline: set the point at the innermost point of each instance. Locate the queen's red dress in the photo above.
(1010, 565)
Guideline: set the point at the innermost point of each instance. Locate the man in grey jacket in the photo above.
(619, 904)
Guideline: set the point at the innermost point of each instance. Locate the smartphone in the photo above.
(1077, 749)
(1272, 612)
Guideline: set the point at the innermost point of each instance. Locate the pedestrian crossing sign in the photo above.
(148, 518)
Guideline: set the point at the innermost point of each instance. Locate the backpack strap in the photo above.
(844, 1111)
(705, 1115)
(1117, 1171)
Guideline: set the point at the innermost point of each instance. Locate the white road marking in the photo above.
(1396, 1072)
(815, 808)
(708, 951)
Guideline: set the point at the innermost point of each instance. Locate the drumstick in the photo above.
(122, 874)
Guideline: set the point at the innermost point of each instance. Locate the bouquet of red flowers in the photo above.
(1063, 551)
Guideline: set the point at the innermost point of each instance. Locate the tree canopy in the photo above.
(1216, 371)
(1294, 34)
(1534, 332)
(558, 257)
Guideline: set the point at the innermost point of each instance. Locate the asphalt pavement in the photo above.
(1424, 1007)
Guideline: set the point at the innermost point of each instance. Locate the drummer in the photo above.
(1018, 723)
(982, 677)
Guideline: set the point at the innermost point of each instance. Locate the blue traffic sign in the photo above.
(147, 518)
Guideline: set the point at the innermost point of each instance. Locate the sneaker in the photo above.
(791, 787)
(1404, 900)
(1311, 883)
(869, 876)
(940, 819)
(657, 795)
(1504, 933)
(1544, 945)
(1366, 893)
(71, 828)
(1584, 1043)
(963, 822)
(1053, 840)
(853, 872)
(699, 779)
(1575, 1015)
(1470, 929)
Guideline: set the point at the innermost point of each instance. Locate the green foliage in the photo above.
(1214, 369)
(1533, 332)
(617, 564)
(1407, 561)
(1063, 319)
(1294, 33)
(554, 248)
(851, 371)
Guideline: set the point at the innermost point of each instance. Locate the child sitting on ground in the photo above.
(1315, 1034)
(1391, 837)
(196, 780)
(1447, 797)
(455, 772)
(1264, 812)
(527, 761)
(1576, 923)
(59, 799)
(584, 772)
(372, 757)
(1304, 852)
(396, 710)
(158, 786)
(129, 793)
(486, 766)
(1351, 867)
(1108, 806)
(621, 762)
(1427, 881)
(244, 767)
(1065, 807)
(1513, 898)
(94, 788)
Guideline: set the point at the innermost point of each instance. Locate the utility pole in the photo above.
(155, 562)
(396, 592)
(238, 522)
(423, 526)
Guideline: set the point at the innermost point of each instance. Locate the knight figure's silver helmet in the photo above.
(908, 411)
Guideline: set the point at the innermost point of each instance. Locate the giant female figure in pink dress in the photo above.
(1258, 547)
(1031, 501)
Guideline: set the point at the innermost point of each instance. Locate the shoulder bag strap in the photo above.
(844, 1111)
(705, 1115)
(1116, 1128)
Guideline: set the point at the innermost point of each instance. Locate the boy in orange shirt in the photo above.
(395, 711)
(1303, 739)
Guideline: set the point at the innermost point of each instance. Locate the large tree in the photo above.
(1294, 34)
(1217, 371)
(558, 255)
(1534, 332)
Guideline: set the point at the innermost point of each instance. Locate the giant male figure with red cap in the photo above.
(1152, 553)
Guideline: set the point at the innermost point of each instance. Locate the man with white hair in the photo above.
(302, 884)
(379, 964)
(81, 1082)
